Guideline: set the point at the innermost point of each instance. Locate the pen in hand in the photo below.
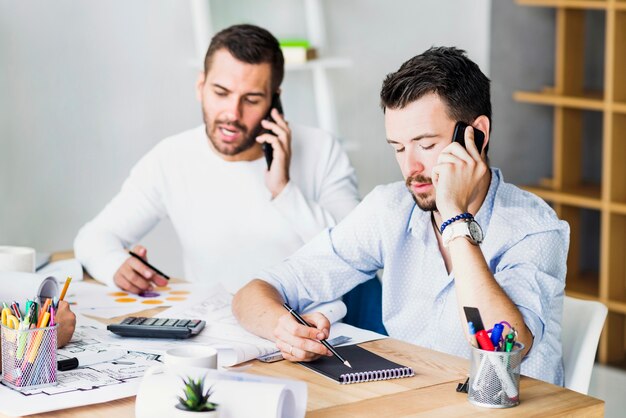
(324, 342)
(149, 265)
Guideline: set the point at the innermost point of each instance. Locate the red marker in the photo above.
(484, 342)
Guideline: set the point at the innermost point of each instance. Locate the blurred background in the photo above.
(88, 88)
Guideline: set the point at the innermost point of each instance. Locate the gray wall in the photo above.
(88, 87)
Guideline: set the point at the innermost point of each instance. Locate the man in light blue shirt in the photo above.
(429, 242)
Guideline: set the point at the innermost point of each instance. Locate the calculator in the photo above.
(157, 327)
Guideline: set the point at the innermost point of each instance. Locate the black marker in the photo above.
(149, 265)
(324, 342)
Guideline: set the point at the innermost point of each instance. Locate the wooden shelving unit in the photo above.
(566, 190)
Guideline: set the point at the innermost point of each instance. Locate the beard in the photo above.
(425, 201)
(212, 126)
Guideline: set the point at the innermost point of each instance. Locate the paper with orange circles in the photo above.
(106, 302)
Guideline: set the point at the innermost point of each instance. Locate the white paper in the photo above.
(238, 394)
(107, 302)
(63, 268)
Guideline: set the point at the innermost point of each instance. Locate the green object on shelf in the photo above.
(302, 43)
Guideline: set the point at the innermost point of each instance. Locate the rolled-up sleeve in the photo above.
(532, 273)
(334, 262)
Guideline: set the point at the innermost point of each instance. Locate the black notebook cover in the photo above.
(366, 366)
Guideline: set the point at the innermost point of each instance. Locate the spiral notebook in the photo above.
(366, 366)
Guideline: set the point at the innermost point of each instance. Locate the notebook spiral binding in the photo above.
(374, 375)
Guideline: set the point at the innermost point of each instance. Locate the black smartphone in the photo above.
(267, 148)
(459, 136)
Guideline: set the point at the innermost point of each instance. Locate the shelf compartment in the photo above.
(618, 45)
(584, 285)
(615, 158)
(570, 4)
(585, 196)
(615, 290)
(583, 260)
(587, 101)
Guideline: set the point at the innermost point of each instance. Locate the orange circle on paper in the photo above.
(180, 292)
(126, 300)
(152, 302)
(176, 298)
(118, 294)
(162, 288)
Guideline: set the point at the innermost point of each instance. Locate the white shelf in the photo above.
(316, 34)
(325, 63)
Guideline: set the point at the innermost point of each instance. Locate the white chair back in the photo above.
(581, 328)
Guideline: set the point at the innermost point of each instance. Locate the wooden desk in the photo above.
(431, 392)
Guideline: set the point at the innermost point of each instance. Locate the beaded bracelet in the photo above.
(465, 215)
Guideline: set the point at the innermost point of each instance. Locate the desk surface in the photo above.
(430, 392)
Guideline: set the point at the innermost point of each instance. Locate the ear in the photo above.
(482, 122)
(200, 85)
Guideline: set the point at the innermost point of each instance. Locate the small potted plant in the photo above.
(196, 401)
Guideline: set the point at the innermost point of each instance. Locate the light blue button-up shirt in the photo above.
(525, 247)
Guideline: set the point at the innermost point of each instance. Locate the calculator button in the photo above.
(149, 321)
(193, 323)
(135, 321)
(160, 322)
(140, 321)
(128, 320)
(182, 322)
(170, 322)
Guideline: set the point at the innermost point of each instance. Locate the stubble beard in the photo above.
(424, 201)
(211, 127)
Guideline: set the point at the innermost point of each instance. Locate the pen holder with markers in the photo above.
(494, 377)
(29, 357)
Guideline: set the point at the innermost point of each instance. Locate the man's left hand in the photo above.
(277, 176)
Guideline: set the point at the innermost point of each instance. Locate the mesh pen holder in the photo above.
(29, 357)
(494, 377)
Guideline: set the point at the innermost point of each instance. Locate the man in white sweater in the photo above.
(233, 215)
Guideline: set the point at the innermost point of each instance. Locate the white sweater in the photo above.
(227, 223)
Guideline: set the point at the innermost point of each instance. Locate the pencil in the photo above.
(149, 265)
(324, 342)
(67, 284)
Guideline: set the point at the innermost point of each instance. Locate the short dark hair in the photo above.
(250, 44)
(447, 72)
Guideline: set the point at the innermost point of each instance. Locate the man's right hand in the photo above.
(298, 342)
(134, 276)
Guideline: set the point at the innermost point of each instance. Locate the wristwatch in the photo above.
(468, 229)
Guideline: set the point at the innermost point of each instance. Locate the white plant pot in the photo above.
(180, 413)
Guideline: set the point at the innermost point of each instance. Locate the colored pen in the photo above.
(472, 334)
(324, 342)
(509, 342)
(496, 335)
(67, 284)
(483, 340)
(16, 310)
(149, 265)
(88, 359)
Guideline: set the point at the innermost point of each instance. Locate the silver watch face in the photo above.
(475, 231)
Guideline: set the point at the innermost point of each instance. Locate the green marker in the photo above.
(509, 342)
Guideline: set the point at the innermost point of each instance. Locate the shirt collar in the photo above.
(420, 220)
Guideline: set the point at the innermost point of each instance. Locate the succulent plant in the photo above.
(196, 399)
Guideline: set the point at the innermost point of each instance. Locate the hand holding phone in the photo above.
(267, 148)
(459, 136)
